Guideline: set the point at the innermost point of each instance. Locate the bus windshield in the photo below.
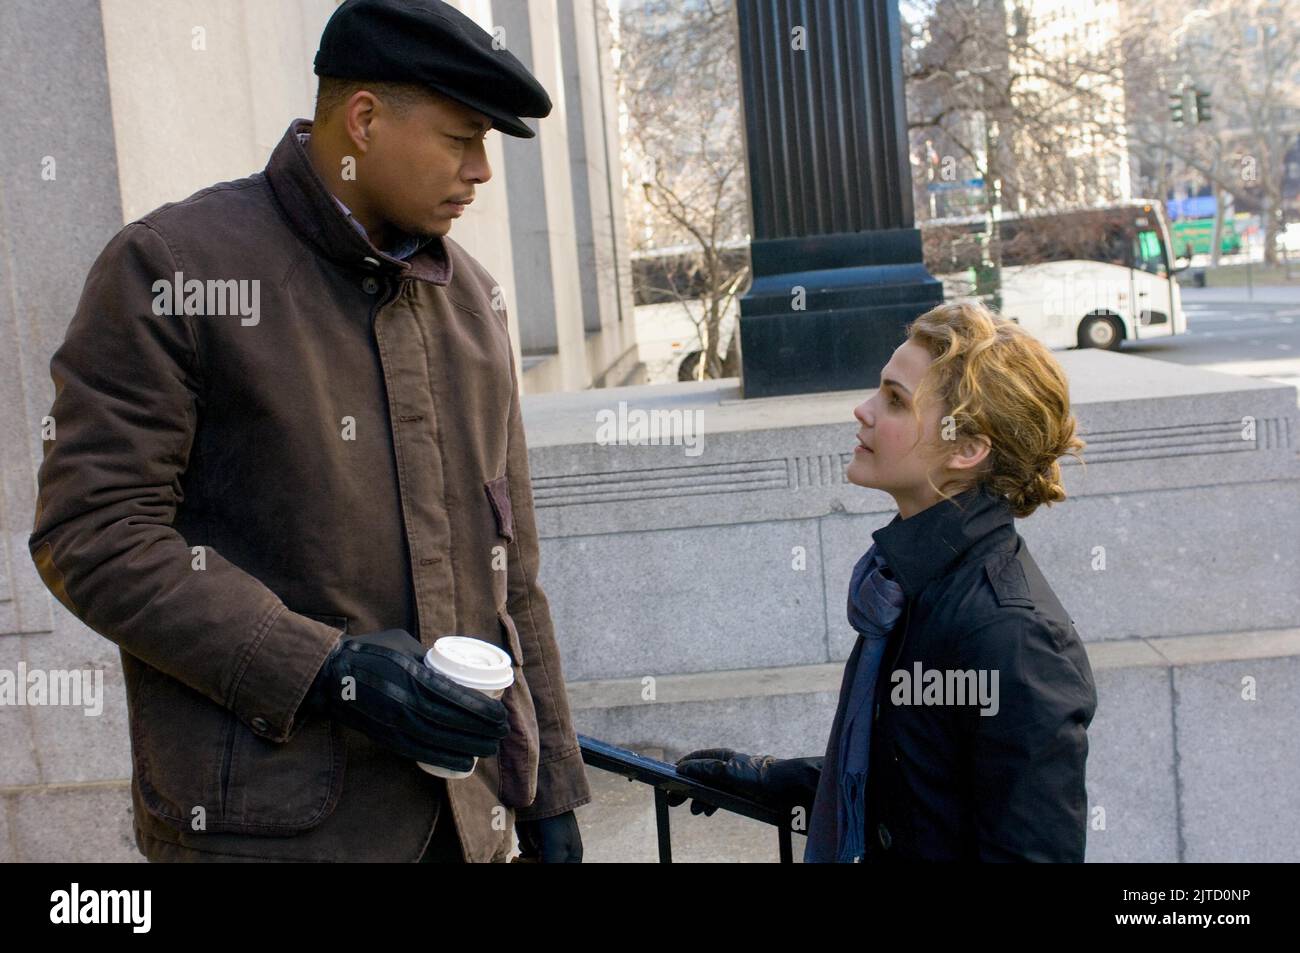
(1149, 253)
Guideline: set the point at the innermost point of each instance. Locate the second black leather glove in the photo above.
(779, 783)
(398, 701)
(552, 840)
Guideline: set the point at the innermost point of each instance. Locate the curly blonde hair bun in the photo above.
(995, 378)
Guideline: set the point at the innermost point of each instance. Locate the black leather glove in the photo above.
(551, 840)
(404, 705)
(779, 783)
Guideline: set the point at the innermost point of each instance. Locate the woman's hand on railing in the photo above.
(780, 783)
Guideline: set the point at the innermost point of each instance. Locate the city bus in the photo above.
(1081, 278)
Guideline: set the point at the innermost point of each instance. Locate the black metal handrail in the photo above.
(663, 777)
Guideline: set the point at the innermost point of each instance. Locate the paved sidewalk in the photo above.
(1274, 294)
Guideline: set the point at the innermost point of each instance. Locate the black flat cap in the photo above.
(431, 43)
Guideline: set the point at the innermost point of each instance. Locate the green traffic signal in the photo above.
(1202, 107)
(1176, 108)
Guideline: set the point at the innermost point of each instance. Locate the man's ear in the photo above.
(358, 113)
(971, 452)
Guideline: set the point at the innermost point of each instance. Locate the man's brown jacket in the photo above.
(310, 437)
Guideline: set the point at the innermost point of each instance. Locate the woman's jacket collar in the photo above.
(927, 545)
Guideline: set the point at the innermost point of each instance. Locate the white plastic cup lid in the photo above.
(471, 662)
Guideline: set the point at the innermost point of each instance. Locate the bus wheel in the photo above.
(689, 366)
(1099, 331)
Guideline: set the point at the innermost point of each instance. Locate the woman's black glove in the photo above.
(779, 783)
(402, 704)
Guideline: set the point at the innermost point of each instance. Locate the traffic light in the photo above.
(1202, 107)
(1176, 108)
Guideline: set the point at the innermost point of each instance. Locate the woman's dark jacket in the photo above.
(946, 782)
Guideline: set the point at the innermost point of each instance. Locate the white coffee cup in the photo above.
(475, 664)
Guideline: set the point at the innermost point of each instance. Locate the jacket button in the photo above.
(370, 284)
(260, 725)
(883, 833)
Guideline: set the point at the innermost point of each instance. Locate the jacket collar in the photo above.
(314, 214)
(926, 545)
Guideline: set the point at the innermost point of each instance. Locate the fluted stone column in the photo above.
(836, 254)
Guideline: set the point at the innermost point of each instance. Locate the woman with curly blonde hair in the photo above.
(961, 730)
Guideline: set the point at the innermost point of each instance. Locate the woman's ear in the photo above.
(970, 452)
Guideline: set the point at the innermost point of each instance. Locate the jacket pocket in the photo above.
(202, 770)
(519, 749)
(498, 494)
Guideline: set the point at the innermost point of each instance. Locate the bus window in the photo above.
(1147, 253)
(1116, 250)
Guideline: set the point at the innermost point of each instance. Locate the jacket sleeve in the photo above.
(1027, 759)
(561, 775)
(128, 399)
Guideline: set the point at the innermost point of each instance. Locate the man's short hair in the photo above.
(332, 92)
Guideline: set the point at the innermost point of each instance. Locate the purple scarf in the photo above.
(836, 831)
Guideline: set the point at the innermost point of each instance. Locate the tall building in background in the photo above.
(1017, 105)
(1093, 167)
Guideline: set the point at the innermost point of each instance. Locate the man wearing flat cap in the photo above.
(290, 457)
